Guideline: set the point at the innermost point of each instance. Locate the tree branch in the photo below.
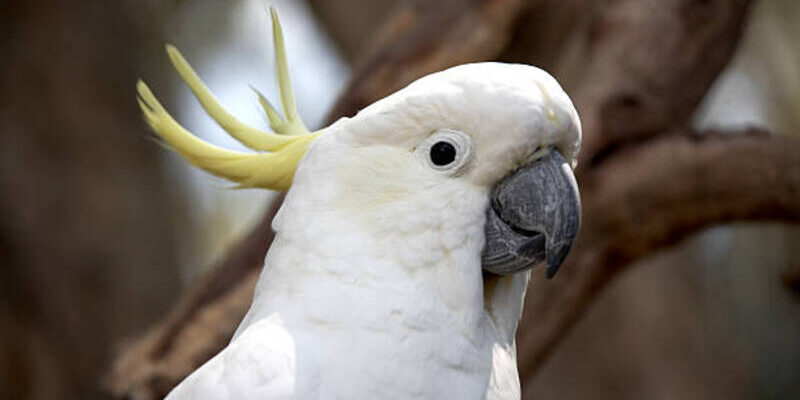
(199, 326)
(648, 65)
(653, 196)
(424, 37)
(677, 184)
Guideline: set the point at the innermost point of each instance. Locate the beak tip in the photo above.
(555, 258)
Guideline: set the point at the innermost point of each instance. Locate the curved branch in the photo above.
(426, 37)
(199, 326)
(650, 197)
(649, 64)
(676, 185)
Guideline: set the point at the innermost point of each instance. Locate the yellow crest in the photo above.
(280, 152)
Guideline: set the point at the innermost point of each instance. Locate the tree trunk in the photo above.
(86, 230)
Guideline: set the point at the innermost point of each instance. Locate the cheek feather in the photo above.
(375, 178)
(387, 191)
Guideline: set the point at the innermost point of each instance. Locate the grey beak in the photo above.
(534, 217)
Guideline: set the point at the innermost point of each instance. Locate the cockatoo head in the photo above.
(490, 145)
(492, 139)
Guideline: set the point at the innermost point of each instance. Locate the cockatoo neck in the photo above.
(352, 262)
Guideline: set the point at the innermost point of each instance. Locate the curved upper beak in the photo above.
(534, 216)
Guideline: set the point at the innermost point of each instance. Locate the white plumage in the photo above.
(373, 286)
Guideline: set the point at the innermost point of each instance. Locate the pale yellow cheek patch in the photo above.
(376, 176)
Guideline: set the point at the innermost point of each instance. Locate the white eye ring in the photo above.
(429, 151)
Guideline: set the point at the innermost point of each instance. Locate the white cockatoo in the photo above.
(402, 249)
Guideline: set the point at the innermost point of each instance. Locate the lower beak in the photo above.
(534, 216)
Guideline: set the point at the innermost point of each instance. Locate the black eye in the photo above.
(442, 153)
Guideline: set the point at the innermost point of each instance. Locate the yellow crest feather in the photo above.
(273, 170)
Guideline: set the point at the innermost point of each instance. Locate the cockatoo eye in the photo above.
(447, 151)
(443, 153)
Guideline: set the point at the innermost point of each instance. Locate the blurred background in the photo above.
(102, 230)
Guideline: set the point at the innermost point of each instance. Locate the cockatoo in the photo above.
(403, 247)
